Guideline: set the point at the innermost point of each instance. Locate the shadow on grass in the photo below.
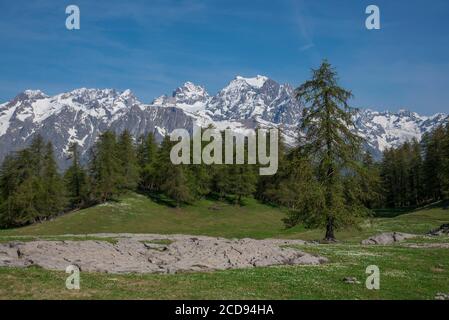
(395, 212)
(228, 199)
(161, 199)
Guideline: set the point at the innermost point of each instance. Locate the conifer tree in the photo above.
(11, 177)
(221, 180)
(329, 141)
(31, 187)
(200, 180)
(147, 151)
(105, 167)
(200, 175)
(241, 181)
(415, 174)
(172, 180)
(54, 199)
(433, 163)
(445, 165)
(370, 182)
(128, 162)
(76, 179)
(297, 188)
(265, 183)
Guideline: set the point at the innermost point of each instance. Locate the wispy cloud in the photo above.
(306, 47)
(299, 11)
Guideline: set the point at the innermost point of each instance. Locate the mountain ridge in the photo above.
(245, 103)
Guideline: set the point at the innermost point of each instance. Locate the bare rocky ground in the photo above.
(395, 237)
(133, 253)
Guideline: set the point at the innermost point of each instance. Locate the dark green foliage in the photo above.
(237, 180)
(147, 150)
(76, 180)
(445, 164)
(434, 165)
(296, 187)
(128, 162)
(104, 168)
(329, 143)
(417, 173)
(241, 181)
(200, 180)
(200, 175)
(221, 181)
(53, 198)
(365, 187)
(31, 187)
(171, 179)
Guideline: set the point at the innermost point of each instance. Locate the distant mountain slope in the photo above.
(82, 114)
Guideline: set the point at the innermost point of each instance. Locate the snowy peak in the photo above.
(189, 97)
(101, 96)
(240, 83)
(255, 98)
(29, 95)
(190, 94)
(384, 130)
(35, 94)
(255, 82)
(34, 106)
(245, 103)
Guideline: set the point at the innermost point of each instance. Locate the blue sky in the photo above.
(153, 46)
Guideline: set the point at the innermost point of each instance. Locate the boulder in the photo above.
(388, 238)
(351, 280)
(442, 230)
(442, 296)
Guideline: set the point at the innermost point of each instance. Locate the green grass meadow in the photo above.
(406, 273)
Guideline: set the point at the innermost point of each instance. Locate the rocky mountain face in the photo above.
(255, 98)
(382, 130)
(81, 115)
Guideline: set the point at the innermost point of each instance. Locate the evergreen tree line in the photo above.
(417, 173)
(187, 183)
(33, 190)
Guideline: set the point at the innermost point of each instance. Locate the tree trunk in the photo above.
(330, 236)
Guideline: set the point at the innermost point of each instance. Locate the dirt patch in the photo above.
(148, 254)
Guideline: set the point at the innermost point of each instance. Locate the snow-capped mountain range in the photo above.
(245, 103)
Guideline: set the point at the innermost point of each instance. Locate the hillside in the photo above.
(136, 213)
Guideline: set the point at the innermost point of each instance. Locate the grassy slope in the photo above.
(137, 214)
(405, 273)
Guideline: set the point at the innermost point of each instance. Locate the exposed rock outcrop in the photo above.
(155, 254)
(442, 230)
(388, 238)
